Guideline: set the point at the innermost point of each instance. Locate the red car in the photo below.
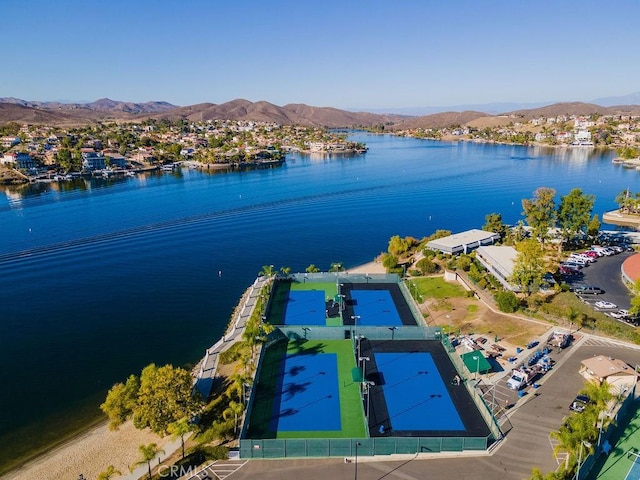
(590, 253)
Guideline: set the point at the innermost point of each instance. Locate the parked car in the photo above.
(605, 305)
(619, 315)
(579, 403)
(588, 290)
(591, 253)
(581, 256)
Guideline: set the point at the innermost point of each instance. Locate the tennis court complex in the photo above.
(349, 363)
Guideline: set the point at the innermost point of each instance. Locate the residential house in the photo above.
(93, 161)
(19, 160)
(615, 372)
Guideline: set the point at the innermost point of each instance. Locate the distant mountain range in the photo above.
(67, 114)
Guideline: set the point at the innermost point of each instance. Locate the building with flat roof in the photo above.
(463, 242)
(499, 261)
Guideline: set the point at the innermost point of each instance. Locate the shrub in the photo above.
(426, 266)
(464, 263)
(507, 301)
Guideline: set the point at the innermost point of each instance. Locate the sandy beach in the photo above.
(90, 454)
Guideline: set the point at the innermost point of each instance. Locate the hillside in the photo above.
(439, 120)
(292, 114)
(53, 113)
(105, 109)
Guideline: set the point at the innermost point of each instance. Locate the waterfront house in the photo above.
(19, 160)
(93, 161)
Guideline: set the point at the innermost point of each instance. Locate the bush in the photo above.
(464, 263)
(507, 302)
(426, 266)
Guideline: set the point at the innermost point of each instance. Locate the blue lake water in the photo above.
(100, 278)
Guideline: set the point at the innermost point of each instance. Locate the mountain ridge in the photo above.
(105, 109)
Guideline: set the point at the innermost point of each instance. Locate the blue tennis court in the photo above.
(634, 471)
(305, 307)
(307, 397)
(375, 308)
(415, 394)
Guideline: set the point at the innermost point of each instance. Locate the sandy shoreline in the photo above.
(93, 451)
(89, 454)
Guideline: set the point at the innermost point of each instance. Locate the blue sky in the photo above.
(344, 54)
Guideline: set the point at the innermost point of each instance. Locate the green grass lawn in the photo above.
(351, 408)
(436, 287)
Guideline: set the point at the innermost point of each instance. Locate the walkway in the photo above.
(209, 363)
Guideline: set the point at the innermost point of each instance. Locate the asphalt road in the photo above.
(525, 446)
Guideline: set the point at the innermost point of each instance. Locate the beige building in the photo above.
(615, 372)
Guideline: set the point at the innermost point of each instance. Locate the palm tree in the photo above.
(267, 271)
(312, 269)
(148, 453)
(109, 473)
(235, 409)
(180, 428)
(285, 271)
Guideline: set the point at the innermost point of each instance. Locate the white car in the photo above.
(605, 305)
(620, 314)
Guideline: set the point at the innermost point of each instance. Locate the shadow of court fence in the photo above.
(345, 447)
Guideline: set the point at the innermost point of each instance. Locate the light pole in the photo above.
(477, 359)
(588, 445)
(359, 339)
(355, 319)
(368, 386)
(356, 462)
(363, 360)
(393, 331)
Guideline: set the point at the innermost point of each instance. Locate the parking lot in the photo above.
(604, 273)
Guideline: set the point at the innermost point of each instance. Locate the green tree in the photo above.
(109, 473)
(528, 267)
(267, 271)
(389, 261)
(494, 224)
(594, 227)
(121, 402)
(507, 301)
(165, 396)
(574, 213)
(540, 212)
(312, 269)
(426, 266)
(398, 245)
(64, 159)
(147, 453)
(234, 410)
(336, 267)
(285, 270)
(180, 428)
